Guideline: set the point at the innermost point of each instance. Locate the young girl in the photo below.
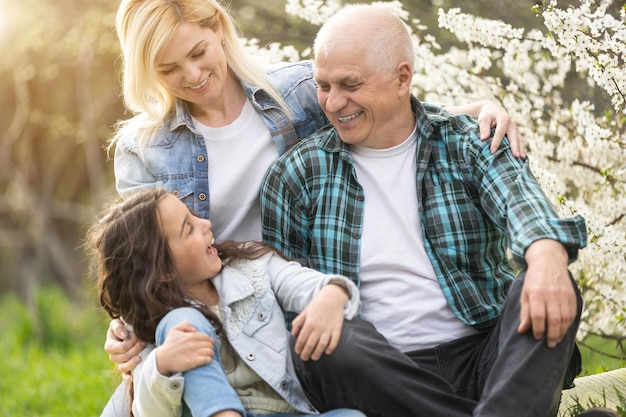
(214, 311)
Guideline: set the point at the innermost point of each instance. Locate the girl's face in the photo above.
(190, 241)
(192, 66)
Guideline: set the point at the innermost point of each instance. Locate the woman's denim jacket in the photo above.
(176, 159)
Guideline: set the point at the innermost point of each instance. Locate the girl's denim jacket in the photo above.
(252, 297)
(176, 158)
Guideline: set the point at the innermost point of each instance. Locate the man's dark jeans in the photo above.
(498, 373)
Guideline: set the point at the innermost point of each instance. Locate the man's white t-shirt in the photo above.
(400, 292)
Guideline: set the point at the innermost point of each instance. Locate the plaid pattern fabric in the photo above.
(474, 206)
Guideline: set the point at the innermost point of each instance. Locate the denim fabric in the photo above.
(176, 159)
(207, 390)
(252, 293)
(252, 297)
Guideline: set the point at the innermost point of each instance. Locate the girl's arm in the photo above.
(322, 300)
(296, 285)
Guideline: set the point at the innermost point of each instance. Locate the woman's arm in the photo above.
(491, 114)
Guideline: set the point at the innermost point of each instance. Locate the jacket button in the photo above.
(250, 356)
(284, 385)
(175, 386)
(176, 193)
(202, 196)
(261, 316)
(200, 158)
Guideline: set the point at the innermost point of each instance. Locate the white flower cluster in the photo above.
(577, 149)
(596, 40)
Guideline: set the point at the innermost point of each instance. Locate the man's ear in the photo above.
(404, 76)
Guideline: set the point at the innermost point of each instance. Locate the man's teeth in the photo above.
(202, 84)
(348, 118)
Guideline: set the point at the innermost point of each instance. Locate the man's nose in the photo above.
(335, 100)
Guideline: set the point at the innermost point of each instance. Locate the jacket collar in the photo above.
(232, 285)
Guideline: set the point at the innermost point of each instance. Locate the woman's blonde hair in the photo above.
(144, 27)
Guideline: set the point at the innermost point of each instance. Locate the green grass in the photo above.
(594, 362)
(53, 363)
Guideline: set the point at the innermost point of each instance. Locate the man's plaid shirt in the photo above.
(473, 206)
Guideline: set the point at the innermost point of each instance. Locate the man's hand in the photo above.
(123, 348)
(318, 327)
(184, 349)
(548, 300)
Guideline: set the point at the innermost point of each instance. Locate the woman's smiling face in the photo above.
(192, 65)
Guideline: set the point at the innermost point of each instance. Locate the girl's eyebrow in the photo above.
(191, 51)
(182, 226)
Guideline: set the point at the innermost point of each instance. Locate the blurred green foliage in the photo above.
(53, 363)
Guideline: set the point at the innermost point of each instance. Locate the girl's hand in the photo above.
(318, 327)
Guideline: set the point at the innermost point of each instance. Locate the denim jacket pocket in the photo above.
(181, 186)
(266, 324)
